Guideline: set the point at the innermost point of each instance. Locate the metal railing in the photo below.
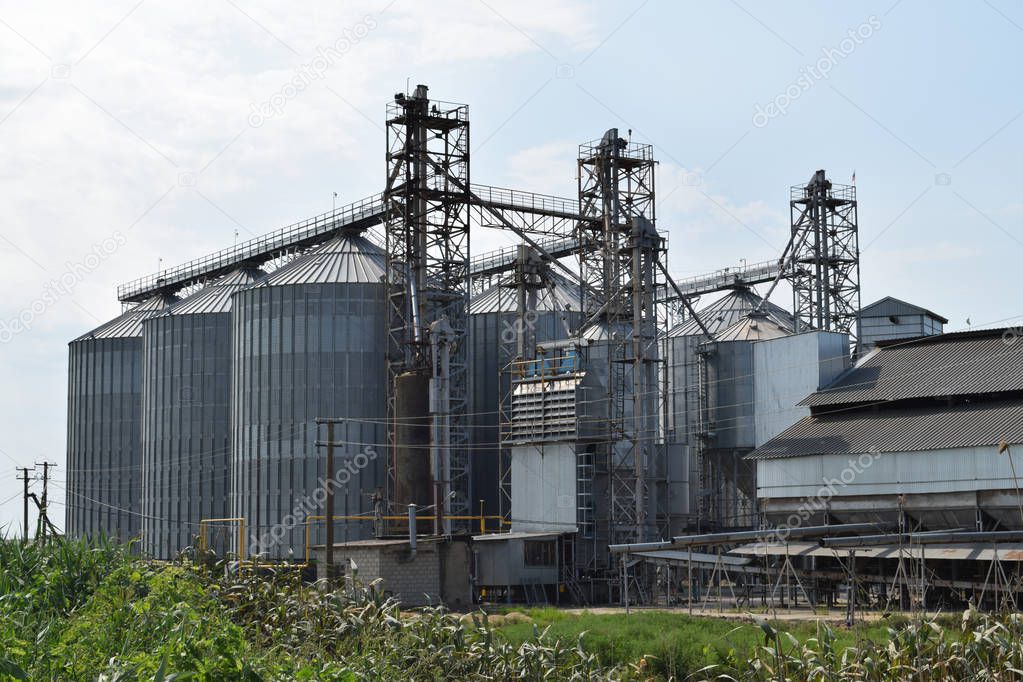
(204, 524)
(360, 213)
(500, 259)
(310, 521)
(363, 213)
(528, 202)
(725, 278)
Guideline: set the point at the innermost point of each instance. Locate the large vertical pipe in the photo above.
(413, 482)
(329, 548)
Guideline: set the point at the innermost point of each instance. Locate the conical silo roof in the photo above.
(129, 323)
(754, 327)
(345, 258)
(503, 299)
(729, 310)
(216, 296)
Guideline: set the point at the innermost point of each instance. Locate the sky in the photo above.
(136, 135)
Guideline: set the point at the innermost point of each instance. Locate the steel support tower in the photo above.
(825, 266)
(426, 199)
(619, 250)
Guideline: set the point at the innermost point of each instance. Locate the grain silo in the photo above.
(309, 341)
(104, 446)
(682, 344)
(710, 398)
(493, 328)
(186, 426)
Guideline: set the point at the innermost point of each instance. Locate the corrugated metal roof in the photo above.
(889, 305)
(966, 363)
(730, 309)
(517, 535)
(216, 297)
(965, 551)
(503, 299)
(758, 327)
(683, 556)
(344, 259)
(129, 323)
(910, 430)
(601, 331)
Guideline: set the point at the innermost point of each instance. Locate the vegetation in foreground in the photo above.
(73, 611)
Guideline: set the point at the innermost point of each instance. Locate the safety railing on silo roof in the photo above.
(363, 213)
(260, 248)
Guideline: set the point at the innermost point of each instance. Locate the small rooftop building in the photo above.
(890, 318)
(911, 433)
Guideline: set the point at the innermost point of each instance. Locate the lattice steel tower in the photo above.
(825, 266)
(427, 243)
(619, 248)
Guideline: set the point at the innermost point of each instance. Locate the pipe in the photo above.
(412, 529)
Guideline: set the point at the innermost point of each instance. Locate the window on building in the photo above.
(539, 552)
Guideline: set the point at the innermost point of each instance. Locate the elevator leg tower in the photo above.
(427, 243)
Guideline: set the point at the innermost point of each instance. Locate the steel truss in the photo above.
(618, 256)
(427, 244)
(825, 266)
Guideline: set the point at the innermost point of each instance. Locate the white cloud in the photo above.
(162, 89)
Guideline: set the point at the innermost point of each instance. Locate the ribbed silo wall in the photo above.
(492, 336)
(104, 437)
(730, 394)
(683, 388)
(186, 432)
(304, 351)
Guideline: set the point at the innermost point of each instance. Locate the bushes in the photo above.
(71, 611)
(74, 611)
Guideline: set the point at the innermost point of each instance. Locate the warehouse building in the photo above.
(912, 433)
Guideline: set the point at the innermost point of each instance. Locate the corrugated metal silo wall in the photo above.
(490, 354)
(683, 388)
(730, 393)
(186, 431)
(104, 437)
(302, 352)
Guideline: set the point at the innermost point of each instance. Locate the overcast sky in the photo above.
(138, 131)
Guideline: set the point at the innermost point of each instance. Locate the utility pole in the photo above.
(44, 519)
(24, 500)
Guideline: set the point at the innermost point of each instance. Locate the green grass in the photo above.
(673, 644)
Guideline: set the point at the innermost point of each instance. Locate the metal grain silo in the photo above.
(104, 433)
(309, 341)
(729, 378)
(186, 425)
(493, 323)
(711, 400)
(682, 345)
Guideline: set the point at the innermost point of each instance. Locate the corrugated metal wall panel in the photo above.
(304, 351)
(186, 429)
(104, 445)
